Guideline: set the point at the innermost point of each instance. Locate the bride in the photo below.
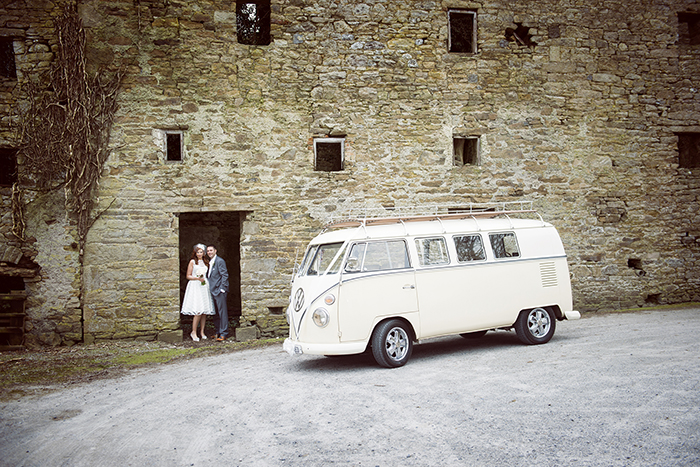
(198, 301)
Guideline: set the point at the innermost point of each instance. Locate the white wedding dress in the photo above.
(197, 299)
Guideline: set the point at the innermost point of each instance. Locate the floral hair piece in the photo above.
(200, 245)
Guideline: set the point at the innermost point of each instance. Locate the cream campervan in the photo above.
(385, 282)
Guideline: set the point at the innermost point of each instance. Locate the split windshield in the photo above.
(319, 258)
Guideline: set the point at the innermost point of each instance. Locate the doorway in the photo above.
(222, 229)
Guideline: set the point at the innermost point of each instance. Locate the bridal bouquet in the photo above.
(201, 276)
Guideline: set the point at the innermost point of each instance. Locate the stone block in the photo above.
(248, 333)
(10, 254)
(171, 337)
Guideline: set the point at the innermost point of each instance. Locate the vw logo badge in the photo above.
(299, 300)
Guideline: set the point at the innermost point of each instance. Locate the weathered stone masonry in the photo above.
(583, 121)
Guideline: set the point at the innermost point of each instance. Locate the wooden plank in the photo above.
(345, 223)
(17, 295)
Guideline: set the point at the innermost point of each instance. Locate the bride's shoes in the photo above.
(194, 337)
(204, 337)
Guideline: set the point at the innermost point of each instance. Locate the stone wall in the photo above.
(583, 124)
(44, 260)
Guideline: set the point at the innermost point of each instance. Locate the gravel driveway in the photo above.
(607, 390)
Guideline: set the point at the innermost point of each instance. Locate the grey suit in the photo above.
(218, 281)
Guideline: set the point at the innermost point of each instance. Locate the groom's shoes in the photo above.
(220, 338)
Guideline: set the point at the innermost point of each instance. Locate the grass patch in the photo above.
(158, 356)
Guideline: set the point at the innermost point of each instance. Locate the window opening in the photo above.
(691, 21)
(8, 166)
(462, 31)
(378, 256)
(7, 58)
(504, 245)
(469, 248)
(520, 35)
(432, 251)
(329, 154)
(466, 150)
(636, 264)
(173, 146)
(253, 22)
(688, 150)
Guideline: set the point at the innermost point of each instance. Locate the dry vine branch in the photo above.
(18, 224)
(64, 134)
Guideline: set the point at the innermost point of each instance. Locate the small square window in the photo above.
(7, 58)
(692, 22)
(504, 245)
(329, 154)
(173, 146)
(8, 166)
(469, 248)
(688, 150)
(253, 22)
(466, 150)
(462, 31)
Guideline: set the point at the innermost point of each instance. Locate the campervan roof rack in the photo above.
(393, 215)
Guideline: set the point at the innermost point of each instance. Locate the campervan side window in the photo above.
(378, 256)
(469, 248)
(504, 245)
(432, 251)
(322, 258)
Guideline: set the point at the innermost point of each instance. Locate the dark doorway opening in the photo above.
(12, 314)
(222, 229)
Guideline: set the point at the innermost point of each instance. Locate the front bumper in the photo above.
(293, 347)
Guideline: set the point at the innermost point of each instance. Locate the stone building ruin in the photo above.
(249, 123)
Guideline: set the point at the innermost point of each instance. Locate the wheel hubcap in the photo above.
(538, 322)
(396, 344)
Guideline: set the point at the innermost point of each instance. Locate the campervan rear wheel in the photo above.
(391, 344)
(535, 326)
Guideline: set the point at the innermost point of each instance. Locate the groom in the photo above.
(218, 285)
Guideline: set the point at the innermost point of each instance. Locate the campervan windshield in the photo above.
(320, 257)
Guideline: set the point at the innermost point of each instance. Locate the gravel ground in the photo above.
(616, 389)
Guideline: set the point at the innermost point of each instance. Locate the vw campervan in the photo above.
(387, 282)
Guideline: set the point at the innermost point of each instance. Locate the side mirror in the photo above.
(352, 265)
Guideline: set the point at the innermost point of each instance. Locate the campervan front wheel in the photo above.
(535, 326)
(391, 344)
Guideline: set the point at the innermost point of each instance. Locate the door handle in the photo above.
(409, 286)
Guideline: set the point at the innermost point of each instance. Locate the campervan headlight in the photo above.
(329, 299)
(321, 317)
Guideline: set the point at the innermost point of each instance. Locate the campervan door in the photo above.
(377, 281)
